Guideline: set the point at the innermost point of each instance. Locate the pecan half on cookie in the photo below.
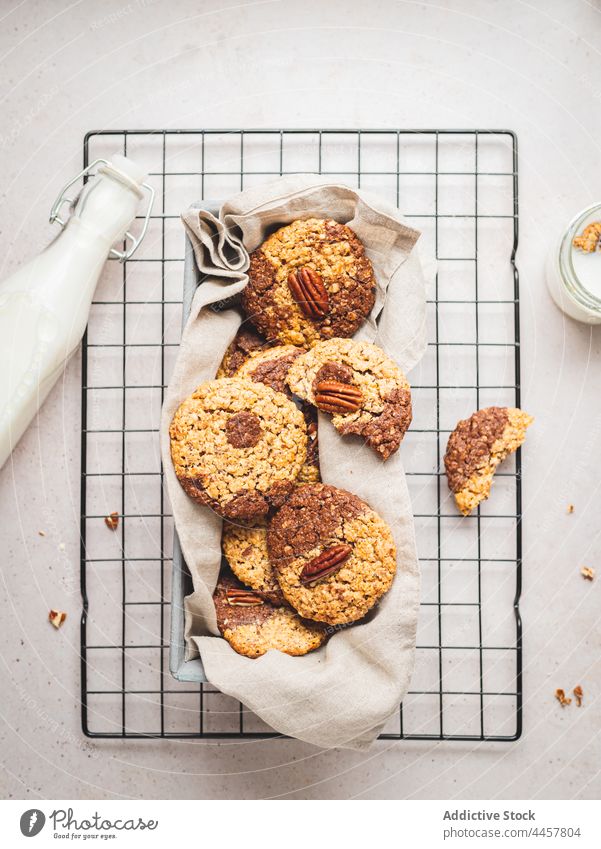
(238, 447)
(334, 557)
(475, 449)
(364, 390)
(310, 280)
(308, 291)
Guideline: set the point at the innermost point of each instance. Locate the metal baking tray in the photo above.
(181, 582)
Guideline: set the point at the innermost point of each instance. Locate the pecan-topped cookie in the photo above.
(309, 280)
(253, 626)
(245, 343)
(475, 449)
(364, 390)
(238, 447)
(333, 555)
(245, 550)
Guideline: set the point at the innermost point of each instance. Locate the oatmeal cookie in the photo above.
(475, 449)
(245, 550)
(270, 366)
(238, 447)
(245, 343)
(310, 280)
(365, 391)
(333, 555)
(253, 626)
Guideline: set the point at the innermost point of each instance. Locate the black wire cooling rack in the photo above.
(459, 187)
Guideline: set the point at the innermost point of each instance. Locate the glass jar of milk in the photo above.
(573, 275)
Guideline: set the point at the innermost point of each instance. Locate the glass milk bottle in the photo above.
(44, 306)
(574, 275)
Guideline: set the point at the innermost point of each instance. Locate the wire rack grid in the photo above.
(459, 187)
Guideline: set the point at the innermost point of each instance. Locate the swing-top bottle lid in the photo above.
(130, 172)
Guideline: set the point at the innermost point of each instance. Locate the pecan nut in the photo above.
(325, 564)
(334, 397)
(242, 598)
(307, 290)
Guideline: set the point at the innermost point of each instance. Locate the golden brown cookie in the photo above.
(245, 343)
(475, 449)
(238, 447)
(333, 555)
(245, 550)
(253, 626)
(309, 280)
(364, 390)
(270, 366)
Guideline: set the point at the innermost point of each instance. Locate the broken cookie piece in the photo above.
(477, 446)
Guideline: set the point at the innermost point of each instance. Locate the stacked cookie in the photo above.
(324, 559)
(301, 557)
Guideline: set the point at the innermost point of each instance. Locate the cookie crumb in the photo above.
(588, 573)
(562, 698)
(570, 508)
(588, 240)
(56, 618)
(578, 695)
(112, 521)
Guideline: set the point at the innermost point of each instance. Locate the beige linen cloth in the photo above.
(342, 694)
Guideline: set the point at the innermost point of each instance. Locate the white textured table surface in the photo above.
(531, 67)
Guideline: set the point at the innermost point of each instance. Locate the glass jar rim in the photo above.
(566, 264)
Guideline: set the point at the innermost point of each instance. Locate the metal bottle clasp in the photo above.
(62, 199)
